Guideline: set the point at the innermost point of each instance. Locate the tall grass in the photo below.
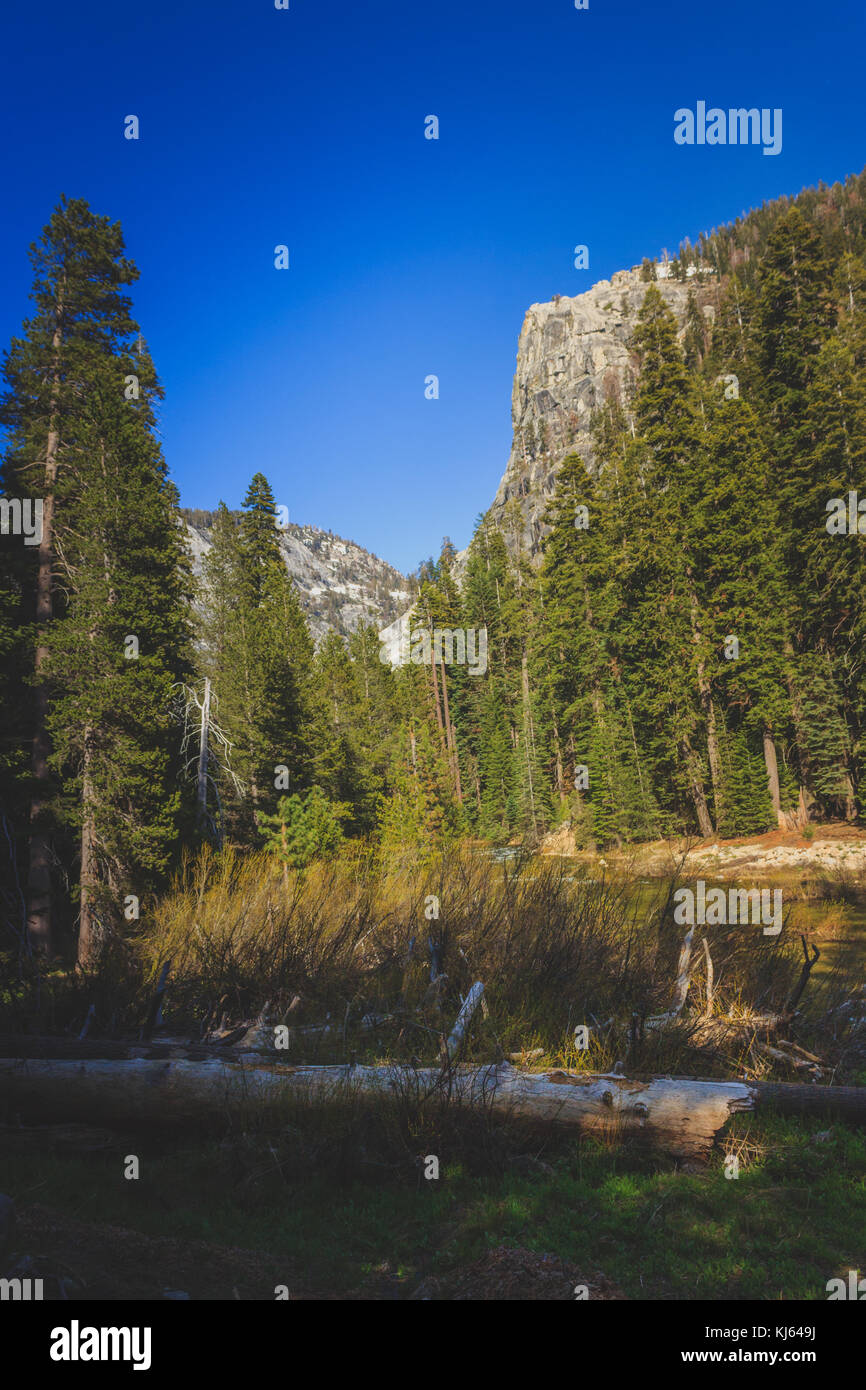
(358, 939)
(349, 947)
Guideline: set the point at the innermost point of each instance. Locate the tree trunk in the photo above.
(804, 798)
(850, 802)
(772, 766)
(202, 756)
(88, 930)
(464, 1018)
(560, 772)
(706, 697)
(697, 789)
(40, 928)
(438, 708)
(413, 751)
(108, 1049)
(528, 734)
(636, 756)
(712, 746)
(680, 1117)
(452, 741)
(681, 985)
(249, 718)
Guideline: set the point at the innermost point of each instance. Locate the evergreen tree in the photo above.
(118, 651)
(667, 420)
(258, 653)
(82, 319)
(304, 828)
(793, 316)
(108, 583)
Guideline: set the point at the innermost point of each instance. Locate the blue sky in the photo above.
(408, 257)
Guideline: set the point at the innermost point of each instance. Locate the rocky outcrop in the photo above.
(340, 585)
(841, 858)
(573, 353)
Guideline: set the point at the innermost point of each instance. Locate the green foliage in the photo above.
(118, 575)
(258, 653)
(304, 828)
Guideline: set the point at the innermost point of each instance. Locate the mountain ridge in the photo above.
(341, 585)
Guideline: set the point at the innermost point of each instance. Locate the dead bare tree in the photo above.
(808, 962)
(211, 755)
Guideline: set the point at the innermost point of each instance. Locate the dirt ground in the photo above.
(837, 846)
(91, 1261)
(511, 1274)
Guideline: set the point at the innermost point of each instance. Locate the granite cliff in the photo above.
(572, 354)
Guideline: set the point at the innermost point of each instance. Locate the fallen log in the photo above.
(806, 1100)
(788, 1059)
(679, 1116)
(708, 1011)
(266, 1043)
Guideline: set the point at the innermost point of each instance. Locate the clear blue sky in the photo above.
(408, 257)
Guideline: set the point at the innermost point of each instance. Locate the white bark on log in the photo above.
(681, 988)
(679, 1116)
(458, 1032)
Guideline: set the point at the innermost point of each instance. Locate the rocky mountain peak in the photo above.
(572, 355)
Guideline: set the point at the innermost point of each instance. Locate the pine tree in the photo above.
(417, 815)
(14, 760)
(793, 316)
(304, 828)
(82, 319)
(258, 653)
(793, 321)
(741, 585)
(694, 342)
(118, 651)
(666, 418)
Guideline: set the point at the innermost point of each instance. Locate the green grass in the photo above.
(795, 1217)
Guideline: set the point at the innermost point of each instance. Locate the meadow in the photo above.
(367, 959)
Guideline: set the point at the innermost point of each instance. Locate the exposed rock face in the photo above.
(340, 585)
(573, 353)
(395, 638)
